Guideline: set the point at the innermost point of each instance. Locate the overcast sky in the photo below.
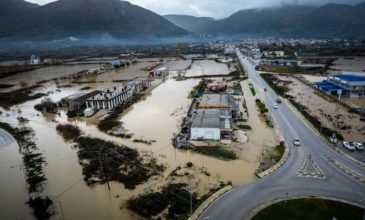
(213, 8)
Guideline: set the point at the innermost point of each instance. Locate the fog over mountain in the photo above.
(216, 8)
(85, 22)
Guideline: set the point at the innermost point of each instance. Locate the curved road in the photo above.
(285, 182)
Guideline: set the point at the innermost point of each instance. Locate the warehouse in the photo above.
(219, 101)
(348, 84)
(211, 124)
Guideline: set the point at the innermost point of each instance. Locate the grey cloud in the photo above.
(216, 8)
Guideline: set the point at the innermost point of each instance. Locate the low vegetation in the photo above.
(34, 163)
(200, 88)
(104, 161)
(174, 198)
(68, 132)
(19, 96)
(46, 105)
(244, 127)
(282, 91)
(253, 91)
(111, 122)
(325, 131)
(217, 152)
(144, 141)
(309, 208)
(270, 79)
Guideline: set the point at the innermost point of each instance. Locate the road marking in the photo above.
(310, 169)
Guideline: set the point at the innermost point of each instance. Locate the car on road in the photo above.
(275, 106)
(296, 142)
(359, 146)
(278, 101)
(348, 146)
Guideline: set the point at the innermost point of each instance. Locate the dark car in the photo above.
(278, 101)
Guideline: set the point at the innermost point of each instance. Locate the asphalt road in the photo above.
(285, 183)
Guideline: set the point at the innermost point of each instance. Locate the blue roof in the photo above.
(327, 86)
(352, 78)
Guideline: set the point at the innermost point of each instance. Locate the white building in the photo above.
(34, 60)
(111, 98)
(139, 84)
(161, 72)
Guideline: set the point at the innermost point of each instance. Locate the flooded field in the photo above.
(156, 117)
(356, 64)
(332, 114)
(13, 193)
(46, 73)
(207, 68)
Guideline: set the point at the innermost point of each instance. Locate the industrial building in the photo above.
(218, 101)
(111, 98)
(350, 84)
(139, 84)
(211, 124)
(213, 117)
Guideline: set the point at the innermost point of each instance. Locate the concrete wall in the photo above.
(205, 133)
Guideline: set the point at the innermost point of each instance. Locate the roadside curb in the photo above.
(198, 212)
(256, 210)
(277, 165)
(300, 115)
(347, 170)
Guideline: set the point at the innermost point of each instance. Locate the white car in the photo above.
(358, 145)
(296, 142)
(275, 106)
(348, 146)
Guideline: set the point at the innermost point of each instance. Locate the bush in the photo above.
(216, 152)
(244, 127)
(253, 91)
(68, 132)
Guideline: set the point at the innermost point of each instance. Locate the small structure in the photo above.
(75, 104)
(111, 98)
(161, 72)
(34, 60)
(139, 84)
(116, 63)
(211, 124)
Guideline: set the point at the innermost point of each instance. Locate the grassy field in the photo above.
(314, 209)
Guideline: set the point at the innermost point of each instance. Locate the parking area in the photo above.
(355, 152)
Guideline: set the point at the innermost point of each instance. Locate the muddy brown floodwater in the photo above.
(156, 117)
(207, 68)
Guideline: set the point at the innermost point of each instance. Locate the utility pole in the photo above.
(191, 198)
(103, 169)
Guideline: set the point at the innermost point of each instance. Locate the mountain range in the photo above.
(84, 19)
(95, 19)
(327, 21)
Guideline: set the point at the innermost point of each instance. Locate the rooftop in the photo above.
(213, 100)
(212, 118)
(350, 77)
(137, 80)
(110, 93)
